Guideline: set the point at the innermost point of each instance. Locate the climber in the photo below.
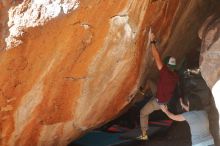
(197, 119)
(168, 80)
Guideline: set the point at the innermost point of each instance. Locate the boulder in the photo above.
(67, 67)
(70, 66)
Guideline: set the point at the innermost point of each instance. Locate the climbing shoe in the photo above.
(142, 137)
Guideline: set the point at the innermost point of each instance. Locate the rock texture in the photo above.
(69, 74)
(210, 50)
(72, 65)
(210, 55)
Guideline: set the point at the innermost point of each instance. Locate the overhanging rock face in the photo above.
(65, 73)
(70, 66)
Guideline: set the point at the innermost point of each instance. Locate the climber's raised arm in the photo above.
(155, 52)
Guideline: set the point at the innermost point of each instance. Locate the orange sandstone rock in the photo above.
(70, 66)
(65, 73)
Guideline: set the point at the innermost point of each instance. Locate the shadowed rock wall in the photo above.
(210, 54)
(70, 66)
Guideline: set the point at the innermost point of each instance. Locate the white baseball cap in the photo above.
(172, 61)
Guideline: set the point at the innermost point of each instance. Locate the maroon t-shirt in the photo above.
(166, 85)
